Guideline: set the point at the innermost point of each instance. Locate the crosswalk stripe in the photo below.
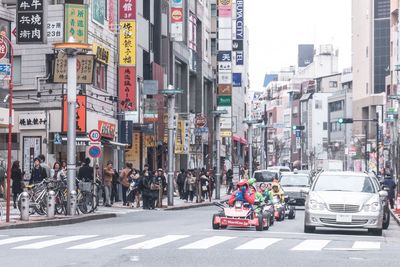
(105, 242)
(365, 245)
(207, 242)
(259, 243)
(17, 239)
(311, 245)
(157, 242)
(53, 242)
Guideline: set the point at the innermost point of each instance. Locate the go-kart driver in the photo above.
(263, 193)
(243, 193)
(277, 191)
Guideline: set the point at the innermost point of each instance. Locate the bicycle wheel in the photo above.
(86, 204)
(60, 204)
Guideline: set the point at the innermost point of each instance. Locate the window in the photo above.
(325, 126)
(318, 104)
(213, 10)
(333, 84)
(213, 46)
(336, 106)
(17, 70)
(100, 79)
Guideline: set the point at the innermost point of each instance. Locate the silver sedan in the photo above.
(345, 200)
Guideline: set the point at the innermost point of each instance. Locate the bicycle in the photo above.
(37, 198)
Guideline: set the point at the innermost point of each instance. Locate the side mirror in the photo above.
(383, 193)
(385, 188)
(305, 191)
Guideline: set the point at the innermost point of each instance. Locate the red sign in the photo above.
(200, 121)
(127, 9)
(127, 88)
(107, 129)
(3, 49)
(111, 21)
(176, 15)
(80, 114)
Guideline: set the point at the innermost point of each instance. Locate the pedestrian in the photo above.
(108, 174)
(180, 181)
(211, 182)
(144, 187)
(85, 172)
(124, 180)
(44, 165)
(190, 186)
(229, 181)
(114, 189)
(204, 185)
(57, 173)
(38, 173)
(17, 181)
(391, 184)
(2, 179)
(64, 166)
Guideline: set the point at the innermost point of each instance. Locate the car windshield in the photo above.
(345, 183)
(294, 180)
(265, 176)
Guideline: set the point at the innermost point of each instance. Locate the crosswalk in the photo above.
(180, 242)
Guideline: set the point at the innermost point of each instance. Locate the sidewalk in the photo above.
(395, 216)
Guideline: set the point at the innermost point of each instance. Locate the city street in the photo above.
(185, 238)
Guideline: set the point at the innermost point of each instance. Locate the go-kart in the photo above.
(290, 211)
(279, 208)
(270, 209)
(241, 215)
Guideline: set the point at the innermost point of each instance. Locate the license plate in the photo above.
(343, 218)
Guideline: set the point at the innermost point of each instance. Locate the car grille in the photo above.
(344, 208)
(353, 222)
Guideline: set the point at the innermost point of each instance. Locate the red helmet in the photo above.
(243, 183)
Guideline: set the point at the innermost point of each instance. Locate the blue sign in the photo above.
(57, 139)
(236, 79)
(200, 131)
(94, 151)
(5, 70)
(224, 56)
(239, 20)
(239, 58)
(298, 133)
(176, 3)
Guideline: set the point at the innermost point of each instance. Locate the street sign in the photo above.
(298, 134)
(298, 144)
(5, 71)
(57, 139)
(3, 48)
(200, 131)
(94, 151)
(94, 135)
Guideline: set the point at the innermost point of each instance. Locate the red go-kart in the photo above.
(241, 215)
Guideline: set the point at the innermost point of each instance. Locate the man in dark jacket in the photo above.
(86, 172)
(180, 181)
(389, 182)
(38, 173)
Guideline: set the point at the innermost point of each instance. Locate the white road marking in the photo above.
(105, 242)
(207, 242)
(17, 239)
(259, 243)
(311, 245)
(149, 244)
(53, 242)
(364, 245)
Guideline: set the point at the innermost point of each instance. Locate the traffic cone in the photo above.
(397, 210)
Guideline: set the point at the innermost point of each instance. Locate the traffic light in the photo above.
(298, 127)
(344, 120)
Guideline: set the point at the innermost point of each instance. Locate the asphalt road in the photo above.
(185, 238)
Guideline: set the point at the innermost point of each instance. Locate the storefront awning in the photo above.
(239, 139)
(112, 143)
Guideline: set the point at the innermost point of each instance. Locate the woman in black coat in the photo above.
(17, 185)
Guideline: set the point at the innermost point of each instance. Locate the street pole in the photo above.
(366, 147)
(218, 161)
(262, 159)
(250, 135)
(171, 108)
(377, 147)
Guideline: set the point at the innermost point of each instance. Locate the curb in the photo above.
(57, 222)
(193, 206)
(395, 217)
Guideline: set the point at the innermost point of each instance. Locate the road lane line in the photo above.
(17, 239)
(365, 245)
(207, 242)
(259, 243)
(311, 245)
(105, 242)
(53, 242)
(149, 244)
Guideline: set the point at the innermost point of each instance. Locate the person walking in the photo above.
(180, 181)
(389, 182)
(114, 189)
(3, 187)
(44, 165)
(124, 180)
(17, 181)
(190, 185)
(204, 185)
(85, 172)
(144, 187)
(229, 181)
(108, 174)
(38, 173)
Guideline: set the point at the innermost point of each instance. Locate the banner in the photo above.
(180, 137)
(127, 88)
(127, 43)
(76, 23)
(177, 18)
(80, 114)
(29, 22)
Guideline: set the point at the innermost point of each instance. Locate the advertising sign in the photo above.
(106, 129)
(80, 114)
(127, 9)
(176, 3)
(150, 87)
(224, 101)
(84, 68)
(126, 132)
(180, 137)
(239, 20)
(32, 120)
(32, 148)
(225, 66)
(224, 89)
(55, 30)
(176, 15)
(224, 56)
(102, 53)
(237, 45)
(76, 23)
(239, 58)
(127, 88)
(98, 11)
(127, 42)
(225, 78)
(110, 13)
(236, 79)
(30, 25)
(5, 71)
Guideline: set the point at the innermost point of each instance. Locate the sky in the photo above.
(276, 27)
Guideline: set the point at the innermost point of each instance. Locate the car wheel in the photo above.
(386, 219)
(215, 226)
(266, 217)
(292, 213)
(260, 225)
(309, 229)
(376, 232)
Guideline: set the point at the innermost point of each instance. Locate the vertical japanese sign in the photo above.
(76, 23)
(180, 137)
(80, 114)
(127, 43)
(127, 88)
(30, 24)
(176, 17)
(127, 9)
(98, 11)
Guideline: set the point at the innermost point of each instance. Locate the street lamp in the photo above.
(71, 49)
(217, 114)
(170, 93)
(250, 123)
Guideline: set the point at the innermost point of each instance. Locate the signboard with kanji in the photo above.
(127, 9)
(84, 68)
(76, 23)
(30, 21)
(127, 43)
(127, 88)
(54, 30)
(80, 114)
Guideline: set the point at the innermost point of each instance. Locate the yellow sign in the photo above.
(165, 120)
(102, 53)
(127, 43)
(180, 137)
(149, 141)
(132, 155)
(224, 2)
(226, 133)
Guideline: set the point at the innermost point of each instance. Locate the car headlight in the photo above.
(372, 207)
(316, 205)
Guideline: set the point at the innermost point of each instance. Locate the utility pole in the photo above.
(250, 139)
(217, 114)
(366, 156)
